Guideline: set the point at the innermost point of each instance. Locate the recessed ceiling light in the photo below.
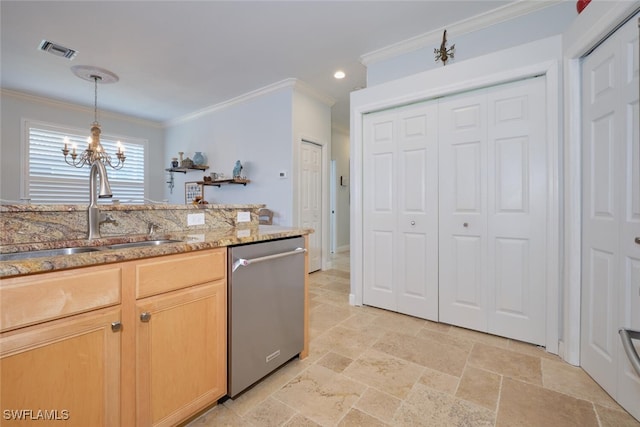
(339, 74)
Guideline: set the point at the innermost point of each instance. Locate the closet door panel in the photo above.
(629, 301)
(379, 203)
(601, 122)
(517, 209)
(463, 210)
(418, 211)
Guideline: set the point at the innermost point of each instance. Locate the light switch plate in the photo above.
(195, 238)
(243, 233)
(195, 219)
(244, 217)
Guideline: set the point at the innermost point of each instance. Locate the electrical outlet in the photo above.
(195, 219)
(244, 217)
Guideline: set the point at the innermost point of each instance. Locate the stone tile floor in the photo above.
(371, 367)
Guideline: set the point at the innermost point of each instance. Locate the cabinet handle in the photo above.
(413, 223)
(116, 326)
(637, 240)
(145, 317)
(465, 225)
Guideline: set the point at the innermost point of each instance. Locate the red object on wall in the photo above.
(581, 4)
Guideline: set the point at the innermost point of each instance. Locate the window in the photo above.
(50, 180)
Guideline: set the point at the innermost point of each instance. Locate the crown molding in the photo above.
(290, 83)
(314, 93)
(479, 22)
(274, 87)
(55, 103)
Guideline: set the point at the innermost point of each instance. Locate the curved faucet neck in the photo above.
(93, 220)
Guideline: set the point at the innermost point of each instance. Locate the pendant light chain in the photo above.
(95, 98)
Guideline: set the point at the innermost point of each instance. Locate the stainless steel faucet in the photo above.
(151, 228)
(97, 170)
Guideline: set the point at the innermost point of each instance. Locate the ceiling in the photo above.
(174, 58)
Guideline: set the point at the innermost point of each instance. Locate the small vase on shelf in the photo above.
(198, 159)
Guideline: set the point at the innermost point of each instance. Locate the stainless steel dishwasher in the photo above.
(265, 309)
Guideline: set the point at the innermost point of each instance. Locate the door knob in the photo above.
(466, 224)
(413, 223)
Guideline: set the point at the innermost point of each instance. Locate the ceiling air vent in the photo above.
(57, 49)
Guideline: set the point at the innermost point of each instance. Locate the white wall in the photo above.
(340, 153)
(18, 106)
(514, 32)
(258, 133)
(263, 131)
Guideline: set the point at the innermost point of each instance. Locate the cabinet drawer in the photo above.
(180, 271)
(33, 299)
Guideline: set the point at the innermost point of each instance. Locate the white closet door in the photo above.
(601, 163)
(463, 210)
(400, 223)
(379, 210)
(629, 300)
(611, 213)
(517, 207)
(493, 209)
(417, 191)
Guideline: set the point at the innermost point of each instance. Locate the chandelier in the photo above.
(94, 151)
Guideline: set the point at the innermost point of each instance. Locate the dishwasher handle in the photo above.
(627, 335)
(242, 262)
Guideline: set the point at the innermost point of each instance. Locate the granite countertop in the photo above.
(189, 241)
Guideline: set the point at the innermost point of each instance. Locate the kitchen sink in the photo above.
(46, 253)
(16, 256)
(143, 243)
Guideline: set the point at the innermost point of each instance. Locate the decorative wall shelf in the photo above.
(185, 170)
(220, 182)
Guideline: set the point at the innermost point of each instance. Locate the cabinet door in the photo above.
(180, 353)
(66, 370)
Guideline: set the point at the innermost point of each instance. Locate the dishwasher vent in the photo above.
(57, 49)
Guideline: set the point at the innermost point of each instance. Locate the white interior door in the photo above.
(417, 209)
(463, 210)
(629, 300)
(379, 210)
(311, 200)
(611, 213)
(493, 210)
(400, 223)
(517, 210)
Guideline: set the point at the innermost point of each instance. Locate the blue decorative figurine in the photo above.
(237, 169)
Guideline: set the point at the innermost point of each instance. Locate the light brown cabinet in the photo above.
(134, 343)
(181, 336)
(60, 350)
